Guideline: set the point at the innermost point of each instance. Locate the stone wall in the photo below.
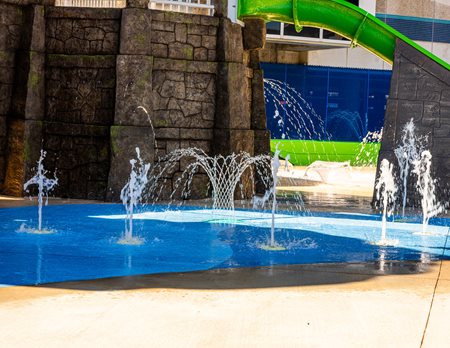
(189, 73)
(420, 89)
(81, 48)
(97, 83)
(11, 19)
(167, 65)
(24, 40)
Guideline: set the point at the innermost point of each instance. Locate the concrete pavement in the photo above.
(342, 305)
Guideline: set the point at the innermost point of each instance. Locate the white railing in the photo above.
(92, 3)
(202, 7)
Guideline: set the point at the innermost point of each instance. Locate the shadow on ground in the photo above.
(254, 277)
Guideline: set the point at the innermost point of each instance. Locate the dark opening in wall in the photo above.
(354, 2)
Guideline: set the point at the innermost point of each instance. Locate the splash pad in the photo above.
(192, 238)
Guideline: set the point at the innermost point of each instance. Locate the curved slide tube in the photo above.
(337, 16)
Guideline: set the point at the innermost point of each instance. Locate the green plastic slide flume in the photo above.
(337, 16)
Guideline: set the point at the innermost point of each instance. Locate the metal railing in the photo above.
(202, 7)
(92, 3)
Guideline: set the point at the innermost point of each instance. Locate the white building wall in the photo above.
(357, 57)
(368, 5)
(442, 50)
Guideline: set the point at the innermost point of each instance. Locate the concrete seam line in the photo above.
(434, 290)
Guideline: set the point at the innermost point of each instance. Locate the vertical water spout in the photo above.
(131, 195)
(45, 185)
(426, 186)
(407, 153)
(275, 167)
(386, 192)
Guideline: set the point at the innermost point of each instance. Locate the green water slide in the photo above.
(349, 21)
(338, 16)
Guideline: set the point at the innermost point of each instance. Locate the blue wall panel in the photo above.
(339, 104)
(416, 28)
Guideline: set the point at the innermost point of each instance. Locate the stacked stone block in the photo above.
(131, 125)
(82, 31)
(11, 18)
(233, 118)
(81, 49)
(166, 87)
(254, 41)
(26, 109)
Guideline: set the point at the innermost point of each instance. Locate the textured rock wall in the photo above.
(82, 31)
(91, 85)
(167, 66)
(81, 49)
(24, 40)
(194, 79)
(420, 89)
(11, 18)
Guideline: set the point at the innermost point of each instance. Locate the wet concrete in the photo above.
(14, 202)
(259, 277)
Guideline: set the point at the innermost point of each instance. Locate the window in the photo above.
(279, 32)
(282, 32)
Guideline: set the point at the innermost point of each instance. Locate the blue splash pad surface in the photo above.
(84, 245)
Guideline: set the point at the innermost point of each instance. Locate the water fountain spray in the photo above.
(386, 192)
(366, 153)
(407, 153)
(45, 185)
(224, 172)
(275, 167)
(131, 195)
(272, 192)
(294, 114)
(426, 186)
